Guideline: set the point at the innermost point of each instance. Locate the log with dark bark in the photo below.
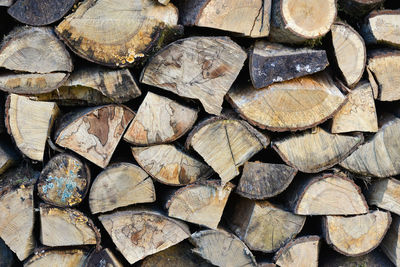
(391, 243)
(72, 257)
(385, 194)
(102, 258)
(303, 251)
(359, 8)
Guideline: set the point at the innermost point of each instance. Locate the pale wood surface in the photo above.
(102, 258)
(385, 194)
(391, 243)
(302, 252)
(64, 258)
(6, 2)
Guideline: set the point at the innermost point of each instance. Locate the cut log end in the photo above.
(303, 251)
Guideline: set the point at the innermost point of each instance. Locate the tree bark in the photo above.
(303, 251)
(103, 257)
(359, 8)
(391, 243)
(59, 257)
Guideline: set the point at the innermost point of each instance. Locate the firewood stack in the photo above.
(200, 133)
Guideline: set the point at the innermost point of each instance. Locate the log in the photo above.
(391, 243)
(373, 259)
(138, 233)
(270, 63)
(201, 203)
(316, 150)
(288, 106)
(6, 2)
(221, 248)
(169, 165)
(6, 255)
(359, 113)
(29, 123)
(303, 251)
(8, 156)
(248, 18)
(159, 120)
(120, 185)
(39, 13)
(21, 49)
(296, 23)
(66, 227)
(94, 133)
(349, 53)
(103, 257)
(264, 180)
(263, 226)
(225, 144)
(64, 181)
(202, 68)
(163, 2)
(359, 8)
(385, 194)
(134, 29)
(61, 257)
(356, 235)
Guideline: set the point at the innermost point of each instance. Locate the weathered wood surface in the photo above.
(159, 120)
(59, 257)
(359, 8)
(385, 194)
(315, 150)
(391, 243)
(202, 68)
(270, 63)
(133, 30)
(6, 255)
(94, 133)
(120, 185)
(288, 106)
(102, 258)
(301, 252)
(375, 258)
(163, 2)
(6, 2)
(170, 165)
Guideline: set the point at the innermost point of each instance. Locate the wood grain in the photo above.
(302, 252)
(391, 243)
(103, 257)
(59, 257)
(385, 194)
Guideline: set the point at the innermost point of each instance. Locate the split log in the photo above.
(270, 63)
(163, 2)
(385, 194)
(23, 47)
(288, 106)
(356, 235)
(39, 13)
(138, 233)
(170, 165)
(296, 23)
(302, 252)
(94, 133)
(263, 226)
(391, 243)
(6, 2)
(373, 259)
(226, 144)
(359, 113)
(249, 18)
(134, 29)
(66, 227)
(201, 203)
(222, 248)
(8, 156)
(64, 181)
(316, 150)
(29, 123)
(159, 120)
(359, 8)
(264, 180)
(202, 68)
(102, 258)
(349, 52)
(378, 156)
(120, 185)
(6, 255)
(62, 257)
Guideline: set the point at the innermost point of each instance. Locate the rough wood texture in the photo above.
(316, 150)
(249, 18)
(359, 8)
(263, 226)
(222, 248)
(170, 165)
(349, 52)
(385, 194)
(103, 258)
(6, 255)
(379, 155)
(159, 120)
(375, 258)
(302, 252)
(359, 113)
(226, 144)
(120, 185)
(292, 105)
(356, 235)
(264, 180)
(29, 123)
(94, 133)
(64, 181)
(270, 63)
(23, 47)
(138, 233)
(391, 243)
(6, 2)
(163, 2)
(202, 68)
(201, 203)
(296, 22)
(132, 30)
(62, 257)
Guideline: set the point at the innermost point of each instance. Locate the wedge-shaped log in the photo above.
(391, 243)
(94, 133)
(316, 150)
(359, 8)
(138, 233)
(103, 257)
(385, 194)
(120, 185)
(159, 120)
(59, 257)
(302, 252)
(132, 30)
(293, 105)
(201, 203)
(202, 68)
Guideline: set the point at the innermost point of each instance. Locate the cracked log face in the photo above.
(159, 120)
(391, 243)
(385, 194)
(202, 68)
(65, 257)
(103, 257)
(303, 251)
(120, 185)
